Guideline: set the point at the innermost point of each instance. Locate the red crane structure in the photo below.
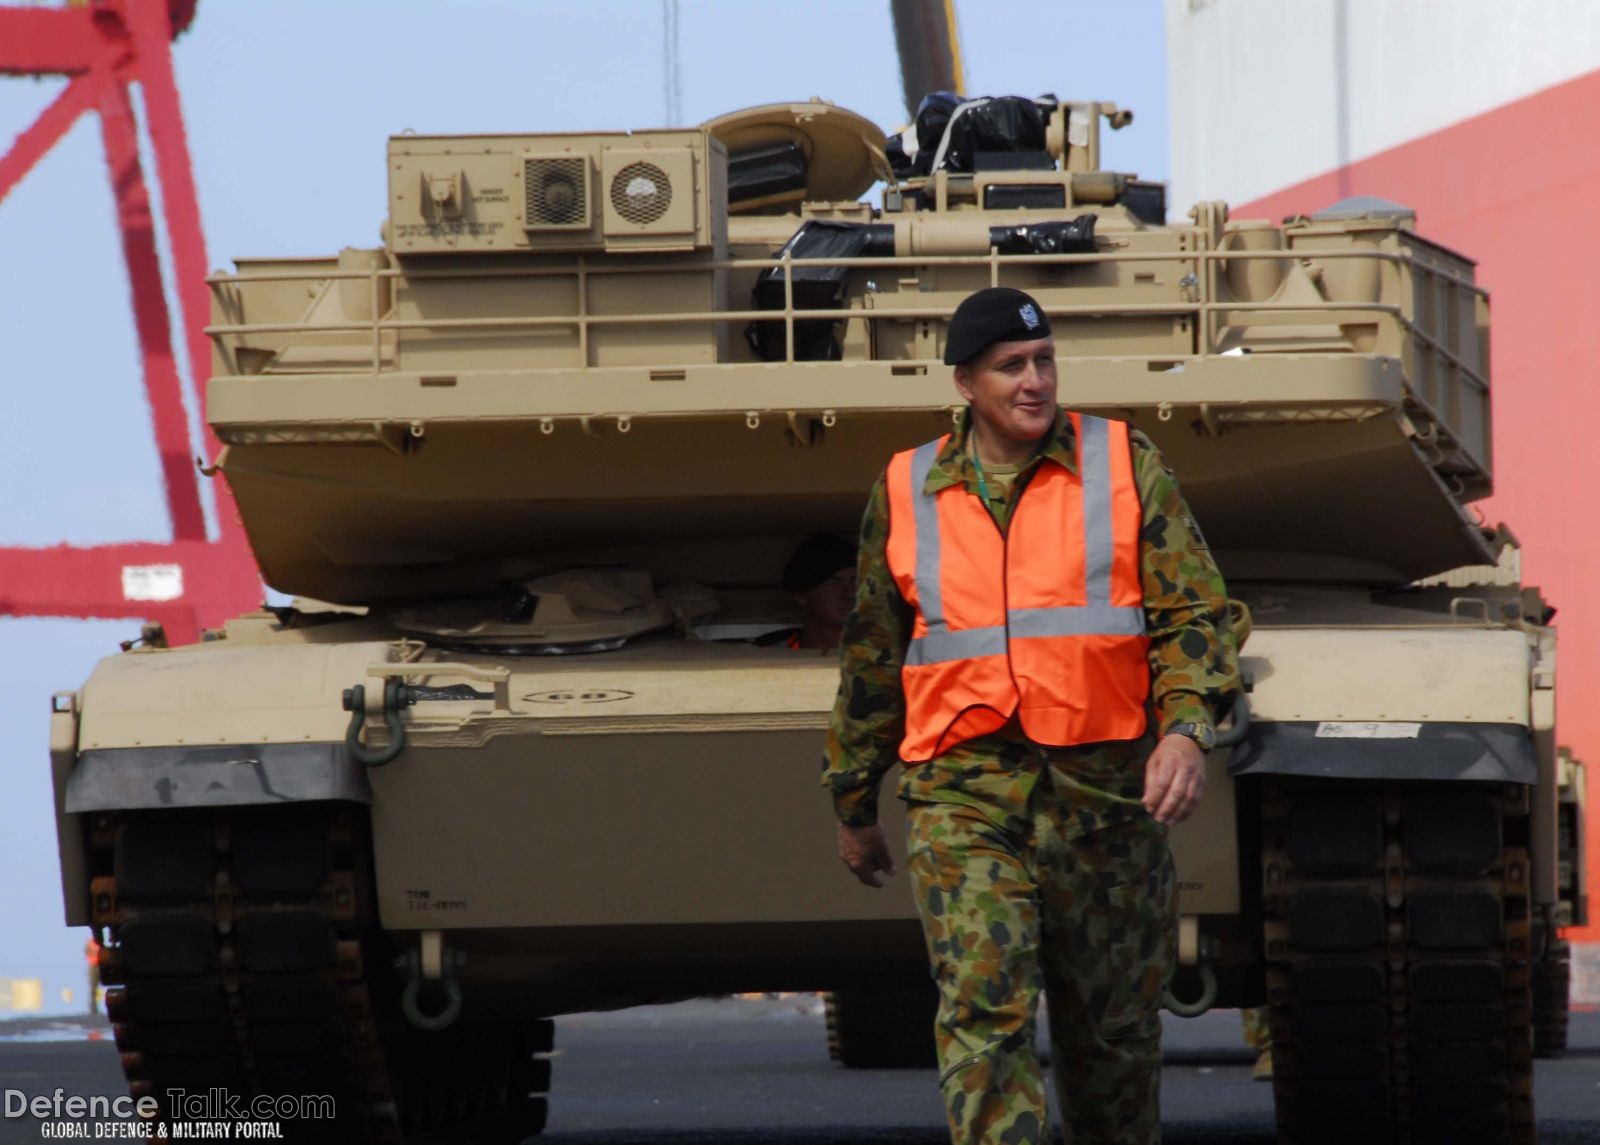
(103, 48)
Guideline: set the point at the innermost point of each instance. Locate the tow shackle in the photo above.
(396, 697)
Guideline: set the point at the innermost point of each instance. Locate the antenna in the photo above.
(671, 73)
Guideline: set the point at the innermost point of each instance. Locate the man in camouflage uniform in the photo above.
(1036, 865)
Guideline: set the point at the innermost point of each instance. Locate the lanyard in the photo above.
(995, 508)
(983, 486)
(1022, 473)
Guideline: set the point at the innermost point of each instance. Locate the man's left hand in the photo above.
(1174, 779)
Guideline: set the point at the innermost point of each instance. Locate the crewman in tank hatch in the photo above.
(821, 576)
(1039, 635)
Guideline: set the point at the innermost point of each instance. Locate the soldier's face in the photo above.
(1012, 388)
(830, 602)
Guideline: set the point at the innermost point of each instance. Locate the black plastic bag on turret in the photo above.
(1006, 124)
(758, 172)
(1076, 237)
(815, 287)
(911, 152)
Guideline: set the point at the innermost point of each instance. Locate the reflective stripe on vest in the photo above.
(1044, 621)
(1096, 616)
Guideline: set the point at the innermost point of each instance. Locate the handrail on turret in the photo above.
(1202, 306)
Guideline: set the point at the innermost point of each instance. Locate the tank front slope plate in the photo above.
(648, 829)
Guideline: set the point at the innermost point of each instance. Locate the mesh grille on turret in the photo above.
(641, 193)
(557, 192)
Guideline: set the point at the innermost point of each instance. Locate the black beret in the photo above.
(817, 559)
(994, 314)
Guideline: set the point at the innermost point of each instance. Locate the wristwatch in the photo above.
(1203, 734)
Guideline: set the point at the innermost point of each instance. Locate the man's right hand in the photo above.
(865, 850)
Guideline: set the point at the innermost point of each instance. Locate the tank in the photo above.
(530, 470)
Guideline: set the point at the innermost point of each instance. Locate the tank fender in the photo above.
(1544, 842)
(1502, 753)
(214, 775)
(69, 828)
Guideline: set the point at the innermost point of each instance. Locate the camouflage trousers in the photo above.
(1090, 917)
(1257, 1028)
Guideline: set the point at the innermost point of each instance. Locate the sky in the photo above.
(288, 107)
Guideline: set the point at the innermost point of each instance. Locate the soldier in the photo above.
(821, 576)
(91, 952)
(1257, 1025)
(1038, 636)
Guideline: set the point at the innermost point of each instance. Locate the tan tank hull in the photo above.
(597, 831)
(675, 783)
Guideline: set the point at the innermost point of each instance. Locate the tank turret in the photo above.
(568, 340)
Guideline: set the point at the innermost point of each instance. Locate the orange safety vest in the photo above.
(1044, 621)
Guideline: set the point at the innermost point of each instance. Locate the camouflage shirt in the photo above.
(1192, 663)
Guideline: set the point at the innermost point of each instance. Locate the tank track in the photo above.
(241, 953)
(1552, 988)
(1397, 935)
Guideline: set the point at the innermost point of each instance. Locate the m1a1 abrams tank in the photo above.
(532, 469)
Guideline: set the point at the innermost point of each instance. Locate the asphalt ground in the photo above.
(756, 1072)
